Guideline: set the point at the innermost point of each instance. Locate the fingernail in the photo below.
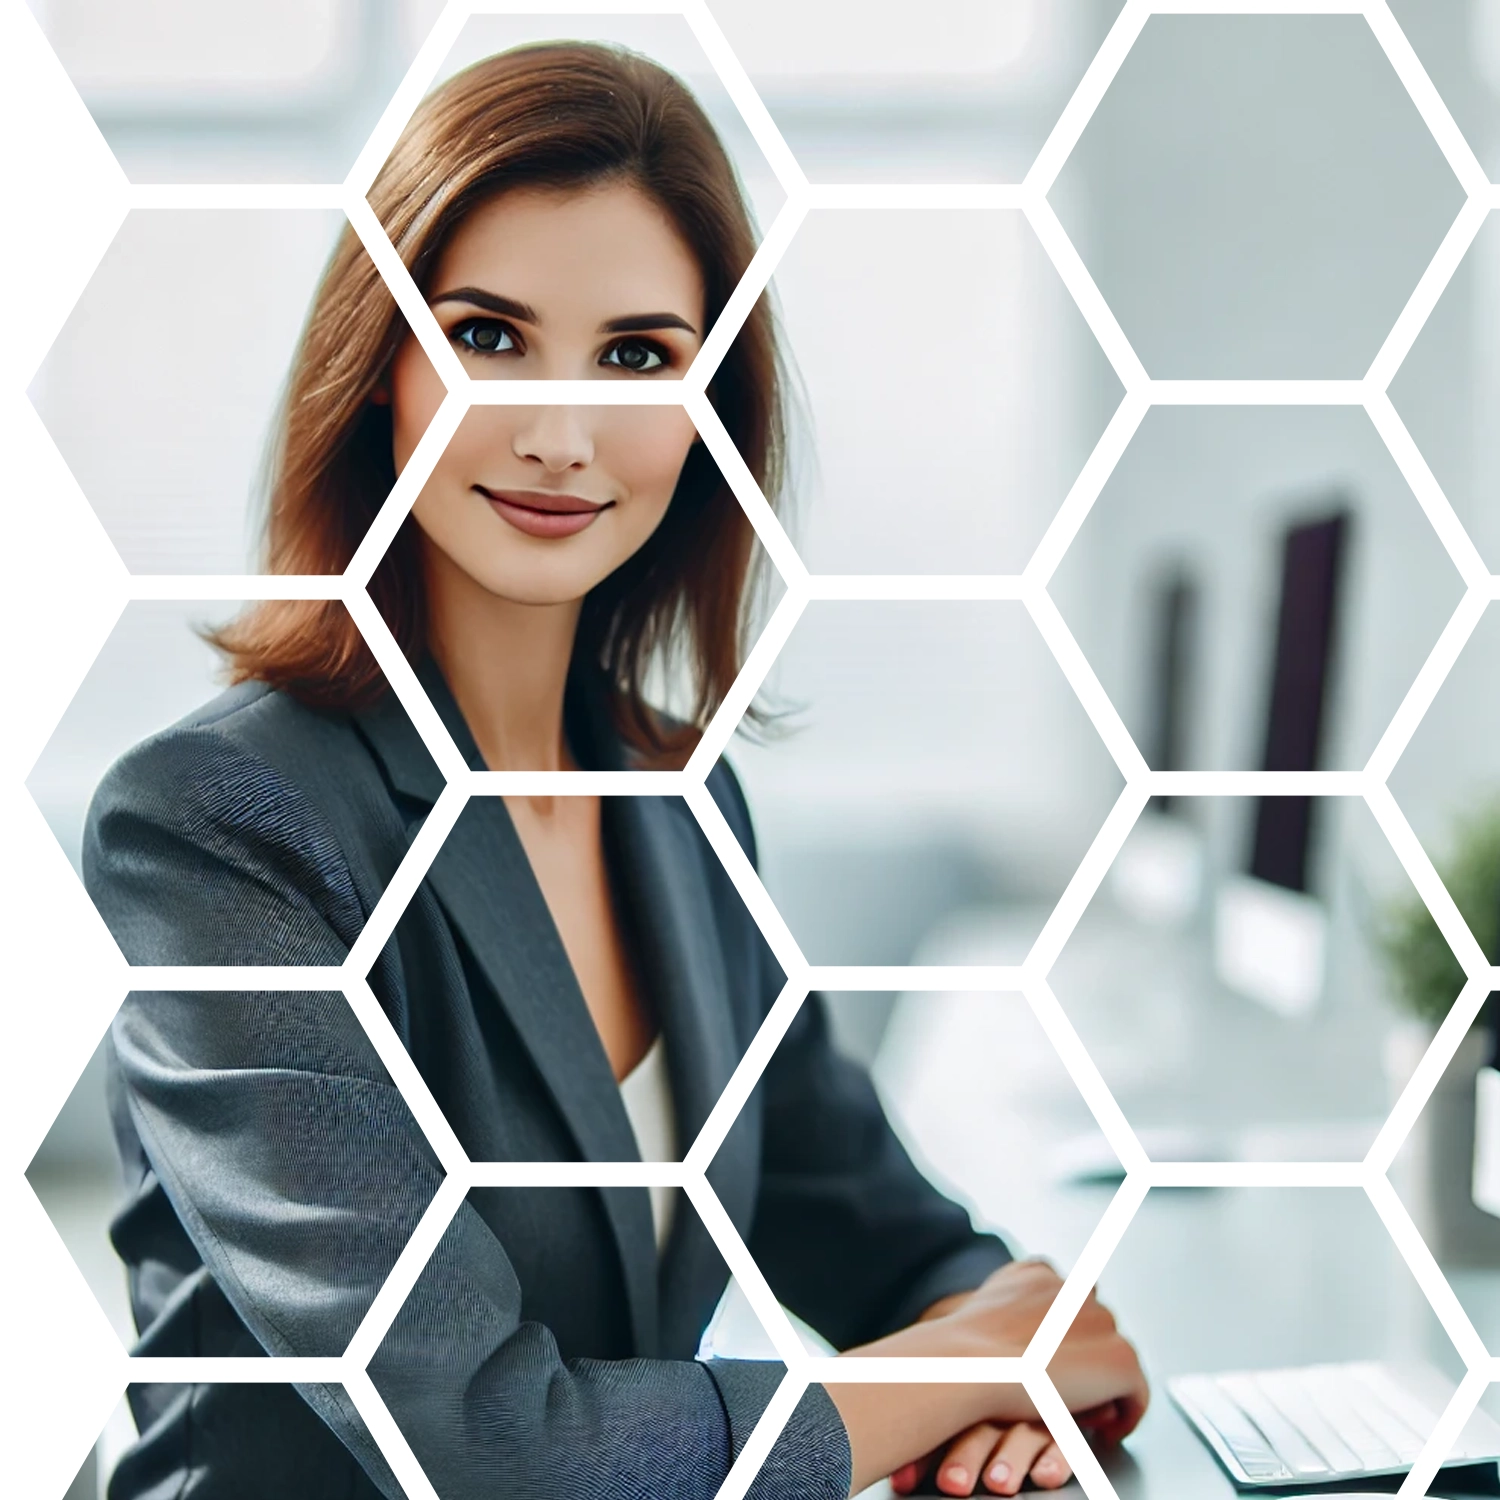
(1046, 1468)
(999, 1472)
(957, 1474)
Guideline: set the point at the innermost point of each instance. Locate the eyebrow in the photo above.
(646, 322)
(508, 307)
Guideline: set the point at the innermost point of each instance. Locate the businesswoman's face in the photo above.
(538, 504)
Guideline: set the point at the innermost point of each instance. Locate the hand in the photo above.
(1095, 1369)
(996, 1460)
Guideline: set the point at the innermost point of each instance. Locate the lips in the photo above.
(540, 513)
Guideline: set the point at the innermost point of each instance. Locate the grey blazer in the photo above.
(276, 1172)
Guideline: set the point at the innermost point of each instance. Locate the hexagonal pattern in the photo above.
(1203, 501)
(1000, 1152)
(576, 1327)
(153, 1420)
(187, 325)
(1454, 434)
(1433, 1174)
(970, 100)
(990, 342)
(153, 669)
(1232, 252)
(1346, 1296)
(670, 40)
(1283, 301)
(76, 1176)
(313, 78)
(1224, 1074)
(1447, 781)
(125, 733)
(1459, 46)
(910, 728)
(511, 1052)
(203, 1279)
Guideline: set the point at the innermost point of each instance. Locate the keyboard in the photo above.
(1319, 1424)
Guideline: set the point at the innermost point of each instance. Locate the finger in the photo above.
(910, 1475)
(1097, 1416)
(959, 1468)
(1128, 1412)
(1013, 1457)
(1050, 1468)
(906, 1478)
(914, 1475)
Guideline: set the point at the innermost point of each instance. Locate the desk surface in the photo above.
(1204, 1279)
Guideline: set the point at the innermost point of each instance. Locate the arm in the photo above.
(849, 1233)
(854, 1238)
(859, 1244)
(299, 1174)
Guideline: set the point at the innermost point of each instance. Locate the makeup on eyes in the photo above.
(478, 328)
(472, 334)
(467, 332)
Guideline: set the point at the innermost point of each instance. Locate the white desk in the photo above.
(1204, 1280)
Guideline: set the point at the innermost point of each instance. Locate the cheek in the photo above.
(416, 393)
(647, 448)
(482, 445)
(468, 459)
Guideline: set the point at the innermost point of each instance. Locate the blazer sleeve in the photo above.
(299, 1173)
(850, 1235)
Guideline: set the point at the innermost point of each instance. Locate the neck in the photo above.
(506, 664)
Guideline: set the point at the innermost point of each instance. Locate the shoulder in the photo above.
(210, 842)
(251, 767)
(240, 741)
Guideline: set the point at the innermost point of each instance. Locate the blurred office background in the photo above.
(1257, 196)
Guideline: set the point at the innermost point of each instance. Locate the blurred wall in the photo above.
(965, 97)
(1004, 391)
(1215, 487)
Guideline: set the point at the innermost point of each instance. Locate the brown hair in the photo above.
(558, 115)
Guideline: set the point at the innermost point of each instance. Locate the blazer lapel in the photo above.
(485, 883)
(657, 857)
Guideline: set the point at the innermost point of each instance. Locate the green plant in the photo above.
(1428, 976)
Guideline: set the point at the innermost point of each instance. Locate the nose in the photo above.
(557, 437)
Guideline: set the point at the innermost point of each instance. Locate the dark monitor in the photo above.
(1312, 564)
(1174, 623)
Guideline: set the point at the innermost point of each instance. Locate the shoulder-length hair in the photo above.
(563, 115)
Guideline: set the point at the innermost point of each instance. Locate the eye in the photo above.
(638, 355)
(485, 336)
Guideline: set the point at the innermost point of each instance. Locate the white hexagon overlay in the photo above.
(33, 75)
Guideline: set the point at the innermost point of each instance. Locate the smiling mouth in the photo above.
(541, 514)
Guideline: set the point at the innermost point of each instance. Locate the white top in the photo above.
(646, 1092)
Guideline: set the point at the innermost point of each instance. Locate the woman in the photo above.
(575, 977)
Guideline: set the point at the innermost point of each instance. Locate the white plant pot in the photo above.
(1433, 1171)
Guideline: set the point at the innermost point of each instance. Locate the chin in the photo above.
(539, 585)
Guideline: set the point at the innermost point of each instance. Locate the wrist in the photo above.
(943, 1306)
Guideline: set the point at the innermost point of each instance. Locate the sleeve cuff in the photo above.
(960, 1272)
(810, 1460)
